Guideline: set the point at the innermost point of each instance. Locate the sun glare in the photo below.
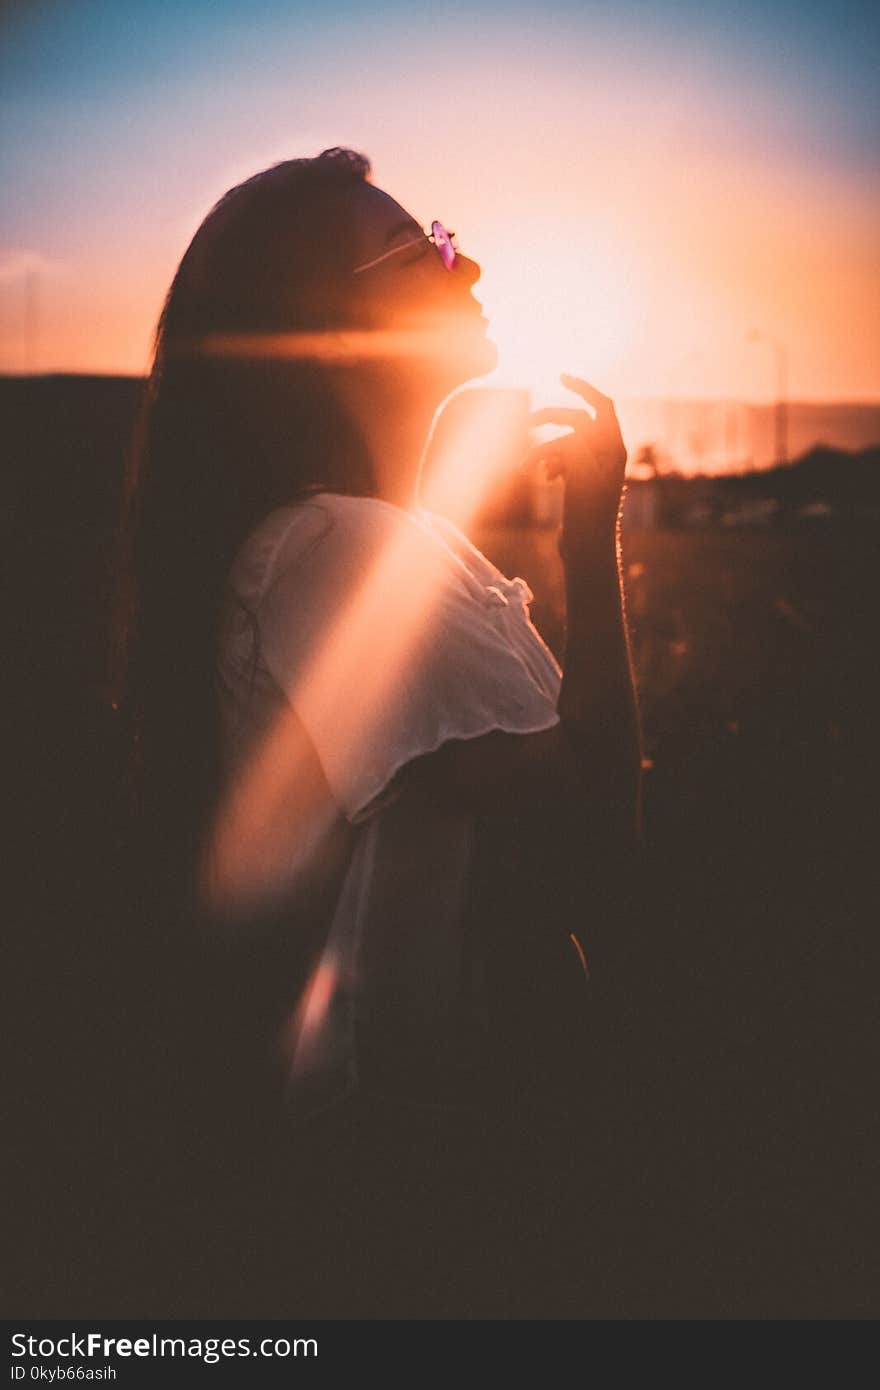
(559, 308)
(366, 651)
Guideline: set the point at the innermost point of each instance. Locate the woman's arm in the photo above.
(592, 759)
(276, 822)
(277, 830)
(597, 704)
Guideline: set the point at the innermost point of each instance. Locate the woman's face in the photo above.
(412, 292)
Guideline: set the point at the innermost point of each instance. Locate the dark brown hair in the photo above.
(224, 440)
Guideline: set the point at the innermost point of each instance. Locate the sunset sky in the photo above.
(642, 183)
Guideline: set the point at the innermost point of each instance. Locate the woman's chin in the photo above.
(476, 355)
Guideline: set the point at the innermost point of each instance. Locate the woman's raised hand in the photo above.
(591, 459)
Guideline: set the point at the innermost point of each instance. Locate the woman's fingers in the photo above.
(605, 416)
(538, 452)
(559, 415)
(591, 458)
(601, 404)
(593, 452)
(607, 424)
(555, 454)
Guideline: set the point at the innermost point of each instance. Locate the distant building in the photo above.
(641, 507)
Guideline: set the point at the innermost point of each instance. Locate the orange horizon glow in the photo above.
(641, 191)
(649, 313)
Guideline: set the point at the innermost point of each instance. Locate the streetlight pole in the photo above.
(780, 411)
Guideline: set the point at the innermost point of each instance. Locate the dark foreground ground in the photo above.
(726, 1166)
(754, 1002)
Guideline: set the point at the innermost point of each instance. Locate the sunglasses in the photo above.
(438, 237)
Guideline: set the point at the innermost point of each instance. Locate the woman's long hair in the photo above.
(224, 438)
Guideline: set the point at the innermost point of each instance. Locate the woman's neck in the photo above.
(395, 428)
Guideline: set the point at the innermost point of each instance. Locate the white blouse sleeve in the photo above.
(388, 645)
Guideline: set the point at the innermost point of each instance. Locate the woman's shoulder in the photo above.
(323, 529)
(482, 569)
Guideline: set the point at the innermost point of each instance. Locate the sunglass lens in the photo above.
(443, 242)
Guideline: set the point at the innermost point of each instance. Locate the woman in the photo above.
(348, 732)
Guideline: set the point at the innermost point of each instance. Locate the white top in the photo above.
(389, 634)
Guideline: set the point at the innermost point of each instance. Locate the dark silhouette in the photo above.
(309, 335)
(725, 1160)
